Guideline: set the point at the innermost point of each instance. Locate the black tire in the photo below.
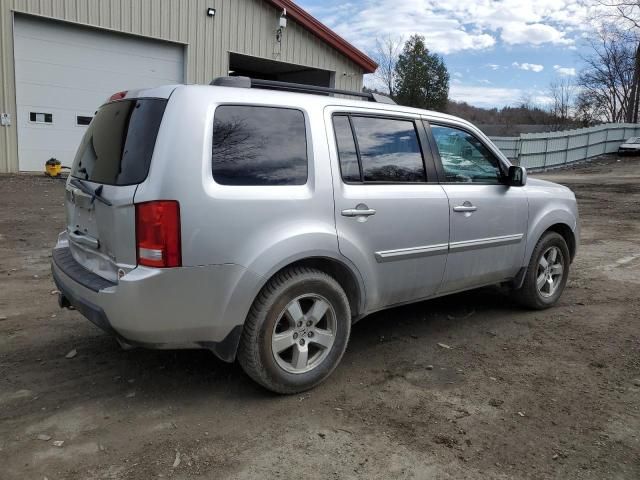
(255, 352)
(529, 295)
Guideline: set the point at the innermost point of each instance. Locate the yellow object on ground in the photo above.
(52, 167)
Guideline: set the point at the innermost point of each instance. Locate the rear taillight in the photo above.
(158, 233)
(118, 96)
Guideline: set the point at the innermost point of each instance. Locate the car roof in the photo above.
(284, 98)
(296, 98)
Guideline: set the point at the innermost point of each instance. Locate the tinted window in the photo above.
(346, 149)
(117, 147)
(464, 157)
(389, 150)
(83, 120)
(259, 146)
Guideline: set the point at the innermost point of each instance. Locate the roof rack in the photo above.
(246, 82)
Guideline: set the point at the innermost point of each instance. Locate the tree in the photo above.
(422, 79)
(606, 82)
(561, 92)
(626, 14)
(386, 56)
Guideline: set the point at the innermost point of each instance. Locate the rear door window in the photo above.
(255, 146)
(347, 153)
(117, 147)
(384, 150)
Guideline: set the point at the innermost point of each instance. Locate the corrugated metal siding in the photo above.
(241, 26)
(552, 149)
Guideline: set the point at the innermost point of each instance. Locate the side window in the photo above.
(388, 150)
(255, 145)
(464, 158)
(347, 153)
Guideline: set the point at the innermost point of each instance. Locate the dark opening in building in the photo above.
(248, 66)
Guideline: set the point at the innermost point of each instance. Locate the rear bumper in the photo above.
(188, 307)
(628, 149)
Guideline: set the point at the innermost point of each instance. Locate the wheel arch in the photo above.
(561, 228)
(558, 218)
(344, 274)
(565, 231)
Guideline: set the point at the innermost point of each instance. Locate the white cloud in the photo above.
(485, 96)
(490, 97)
(533, 67)
(535, 34)
(565, 71)
(451, 26)
(493, 66)
(367, 20)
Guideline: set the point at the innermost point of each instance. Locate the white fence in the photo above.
(551, 149)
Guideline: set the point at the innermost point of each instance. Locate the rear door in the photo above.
(488, 218)
(112, 160)
(391, 215)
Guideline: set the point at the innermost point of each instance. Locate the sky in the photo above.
(497, 51)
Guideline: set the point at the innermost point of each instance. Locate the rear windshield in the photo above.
(117, 147)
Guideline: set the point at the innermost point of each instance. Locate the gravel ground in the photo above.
(520, 394)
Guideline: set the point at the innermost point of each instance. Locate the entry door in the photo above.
(391, 223)
(64, 72)
(488, 219)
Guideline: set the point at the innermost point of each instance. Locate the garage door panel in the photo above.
(34, 134)
(70, 35)
(69, 70)
(66, 79)
(43, 55)
(68, 98)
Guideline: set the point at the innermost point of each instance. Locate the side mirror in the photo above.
(517, 176)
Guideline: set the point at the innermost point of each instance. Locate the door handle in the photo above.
(465, 208)
(356, 212)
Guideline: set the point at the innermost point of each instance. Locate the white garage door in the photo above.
(65, 72)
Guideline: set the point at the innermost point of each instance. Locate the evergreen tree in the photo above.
(422, 79)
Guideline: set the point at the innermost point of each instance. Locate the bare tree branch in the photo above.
(386, 55)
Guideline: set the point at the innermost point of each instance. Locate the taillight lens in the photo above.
(158, 234)
(118, 96)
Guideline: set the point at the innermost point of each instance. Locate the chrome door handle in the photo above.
(355, 212)
(465, 208)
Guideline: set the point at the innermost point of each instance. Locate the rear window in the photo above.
(117, 147)
(257, 146)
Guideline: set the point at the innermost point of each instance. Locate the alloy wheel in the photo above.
(304, 333)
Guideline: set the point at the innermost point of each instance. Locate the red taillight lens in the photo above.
(158, 234)
(118, 96)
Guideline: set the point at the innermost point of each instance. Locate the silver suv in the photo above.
(261, 223)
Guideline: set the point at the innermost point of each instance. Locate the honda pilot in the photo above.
(261, 220)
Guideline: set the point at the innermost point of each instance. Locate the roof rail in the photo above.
(246, 82)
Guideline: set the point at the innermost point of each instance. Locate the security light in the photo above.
(211, 12)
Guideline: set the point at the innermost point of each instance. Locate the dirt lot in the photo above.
(520, 394)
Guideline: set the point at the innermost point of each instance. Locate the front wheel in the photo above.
(547, 272)
(296, 332)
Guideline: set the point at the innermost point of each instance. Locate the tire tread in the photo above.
(248, 350)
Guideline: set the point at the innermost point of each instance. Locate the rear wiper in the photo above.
(95, 194)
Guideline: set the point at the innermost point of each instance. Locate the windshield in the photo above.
(117, 147)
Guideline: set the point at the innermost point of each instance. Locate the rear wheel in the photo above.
(296, 332)
(547, 272)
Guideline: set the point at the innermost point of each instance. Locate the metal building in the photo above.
(60, 59)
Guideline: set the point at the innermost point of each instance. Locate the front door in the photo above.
(488, 219)
(392, 224)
